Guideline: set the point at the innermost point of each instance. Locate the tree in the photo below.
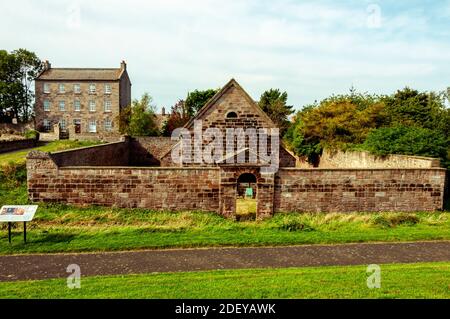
(333, 125)
(11, 90)
(30, 67)
(138, 119)
(406, 140)
(413, 108)
(274, 103)
(18, 70)
(178, 117)
(197, 99)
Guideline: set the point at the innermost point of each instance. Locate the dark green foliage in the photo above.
(197, 99)
(406, 140)
(408, 122)
(274, 103)
(18, 70)
(394, 220)
(339, 122)
(31, 134)
(294, 225)
(139, 118)
(13, 173)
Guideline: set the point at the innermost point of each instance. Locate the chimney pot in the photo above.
(47, 65)
(123, 65)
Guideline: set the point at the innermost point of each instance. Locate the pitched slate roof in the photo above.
(81, 74)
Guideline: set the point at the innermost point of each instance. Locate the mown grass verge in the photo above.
(424, 280)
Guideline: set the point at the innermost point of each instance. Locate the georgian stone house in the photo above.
(85, 102)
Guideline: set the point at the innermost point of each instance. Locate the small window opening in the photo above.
(232, 115)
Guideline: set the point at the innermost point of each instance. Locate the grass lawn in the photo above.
(18, 157)
(424, 280)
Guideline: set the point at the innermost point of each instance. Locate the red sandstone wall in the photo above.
(111, 154)
(347, 190)
(8, 146)
(154, 188)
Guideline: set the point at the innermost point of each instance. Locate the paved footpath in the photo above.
(27, 267)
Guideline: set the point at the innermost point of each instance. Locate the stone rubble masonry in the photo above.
(107, 175)
(340, 159)
(353, 190)
(120, 97)
(214, 189)
(128, 187)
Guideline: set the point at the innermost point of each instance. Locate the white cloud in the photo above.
(309, 49)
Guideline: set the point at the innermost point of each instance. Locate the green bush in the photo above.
(395, 219)
(13, 173)
(407, 141)
(294, 225)
(31, 134)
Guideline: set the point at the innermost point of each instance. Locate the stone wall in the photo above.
(148, 151)
(339, 159)
(347, 190)
(86, 136)
(111, 154)
(101, 175)
(18, 128)
(8, 146)
(154, 188)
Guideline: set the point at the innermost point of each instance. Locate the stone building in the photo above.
(143, 172)
(85, 102)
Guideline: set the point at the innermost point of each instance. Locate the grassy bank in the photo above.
(69, 229)
(425, 280)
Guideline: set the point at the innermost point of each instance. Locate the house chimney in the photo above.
(123, 65)
(163, 111)
(46, 65)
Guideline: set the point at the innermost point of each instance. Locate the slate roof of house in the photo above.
(81, 74)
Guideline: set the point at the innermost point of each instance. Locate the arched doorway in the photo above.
(246, 196)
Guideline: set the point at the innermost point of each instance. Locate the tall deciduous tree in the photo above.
(139, 118)
(18, 70)
(197, 99)
(178, 117)
(274, 103)
(29, 68)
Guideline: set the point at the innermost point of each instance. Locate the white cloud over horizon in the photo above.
(310, 49)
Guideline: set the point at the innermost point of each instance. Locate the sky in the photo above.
(311, 49)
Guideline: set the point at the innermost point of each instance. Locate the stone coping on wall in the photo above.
(138, 167)
(86, 147)
(364, 169)
(285, 169)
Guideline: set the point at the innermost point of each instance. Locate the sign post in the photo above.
(19, 213)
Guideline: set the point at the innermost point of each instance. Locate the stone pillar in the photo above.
(71, 130)
(40, 166)
(227, 193)
(57, 131)
(265, 196)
